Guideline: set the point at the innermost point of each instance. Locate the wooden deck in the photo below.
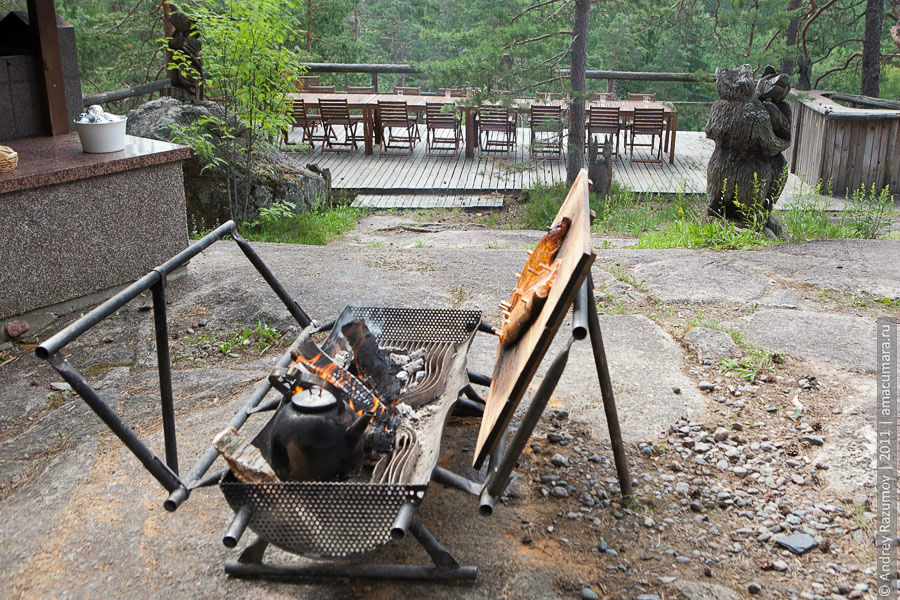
(421, 174)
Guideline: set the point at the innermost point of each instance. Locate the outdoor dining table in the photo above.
(368, 104)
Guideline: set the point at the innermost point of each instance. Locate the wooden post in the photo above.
(42, 19)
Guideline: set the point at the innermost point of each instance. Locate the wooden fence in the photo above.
(852, 147)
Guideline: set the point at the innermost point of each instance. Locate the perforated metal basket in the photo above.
(332, 520)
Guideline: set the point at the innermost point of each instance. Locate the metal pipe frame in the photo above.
(238, 526)
(478, 378)
(606, 391)
(579, 313)
(166, 473)
(451, 479)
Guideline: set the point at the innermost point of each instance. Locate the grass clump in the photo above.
(279, 223)
(692, 233)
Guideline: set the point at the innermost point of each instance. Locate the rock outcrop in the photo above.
(217, 188)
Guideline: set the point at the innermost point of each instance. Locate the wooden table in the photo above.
(368, 103)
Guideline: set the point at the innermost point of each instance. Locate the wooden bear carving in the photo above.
(751, 125)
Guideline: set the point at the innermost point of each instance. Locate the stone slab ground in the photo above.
(720, 467)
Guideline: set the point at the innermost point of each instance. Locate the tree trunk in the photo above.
(309, 9)
(579, 84)
(871, 58)
(788, 63)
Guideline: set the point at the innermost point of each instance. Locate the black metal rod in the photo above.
(486, 328)
(293, 307)
(478, 378)
(498, 480)
(451, 479)
(401, 523)
(486, 501)
(606, 391)
(212, 479)
(466, 408)
(471, 394)
(435, 550)
(60, 339)
(318, 570)
(151, 462)
(238, 526)
(208, 458)
(579, 313)
(164, 364)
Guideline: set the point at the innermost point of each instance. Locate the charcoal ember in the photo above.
(399, 360)
(415, 365)
(403, 376)
(419, 377)
(416, 354)
(343, 358)
(373, 368)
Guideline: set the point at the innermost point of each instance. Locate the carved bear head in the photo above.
(735, 84)
(773, 85)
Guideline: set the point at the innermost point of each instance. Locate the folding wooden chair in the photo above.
(360, 89)
(549, 96)
(334, 113)
(546, 131)
(603, 120)
(300, 118)
(647, 121)
(407, 91)
(436, 119)
(497, 120)
(647, 97)
(320, 89)
(395, 115)
(302, 83)
(452, 92)
(604, 96)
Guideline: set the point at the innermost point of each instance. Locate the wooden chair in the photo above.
(454, 92)
(549, 96)
(335, 113)
(639, 97)
(605, 96)
(395, 115)
(301, 83)
(360, 89)
(436, 119)
(603, 120)
(407, 91)
(300, 118)
(320, 89)
(647, 121)
(546, 131)
(499, 121)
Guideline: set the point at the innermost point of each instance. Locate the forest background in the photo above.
(521, 44)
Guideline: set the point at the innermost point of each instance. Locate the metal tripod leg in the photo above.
(606, 390)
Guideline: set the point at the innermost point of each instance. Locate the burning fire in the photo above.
(321, 365)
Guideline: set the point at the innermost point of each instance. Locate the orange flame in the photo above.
(328, 370)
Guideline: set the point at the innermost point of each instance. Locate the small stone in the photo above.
(554, 438)
(647, 597)
(737, 426)
(203, 323)
(588, 594)
(676, 466)
(559, 460)
(611, 553)
(602, 546)
(60, 386)
(779, 565)
(16, 329)
(189, 331)
(682, 488)
(676, 390)
(707, 386)
(798, 543)
(754, 588)
(771, 409)
(559, 491)
(696, 507)
(740, 471)
(721, 434)
(666, 580)
(814, 440)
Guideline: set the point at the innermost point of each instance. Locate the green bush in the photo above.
(278, 223)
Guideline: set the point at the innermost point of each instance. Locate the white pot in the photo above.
(102, 137)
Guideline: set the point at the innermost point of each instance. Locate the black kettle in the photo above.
(317, 437)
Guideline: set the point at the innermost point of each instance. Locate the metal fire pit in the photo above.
(332, 520)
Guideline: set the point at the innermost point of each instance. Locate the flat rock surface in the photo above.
(838, 340)
(81, 518)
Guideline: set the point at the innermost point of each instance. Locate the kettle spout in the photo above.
(358, 428)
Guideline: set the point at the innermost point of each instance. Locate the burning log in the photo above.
(373, 368)
(245, 460)
(534, 284)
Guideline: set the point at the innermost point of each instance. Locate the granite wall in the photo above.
(67, 240)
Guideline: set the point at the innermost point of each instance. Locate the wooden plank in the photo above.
(516, 365)
(43, 14)
(894, 157)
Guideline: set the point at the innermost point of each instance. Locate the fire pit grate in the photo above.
(333, 520)
(326, 520)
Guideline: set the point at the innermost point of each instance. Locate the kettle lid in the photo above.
(314, 399)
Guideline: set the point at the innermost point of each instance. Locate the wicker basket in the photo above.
(8, 159)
